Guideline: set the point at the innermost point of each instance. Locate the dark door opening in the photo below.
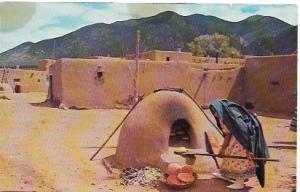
(179, 136)
(18, 89)
(50, 88)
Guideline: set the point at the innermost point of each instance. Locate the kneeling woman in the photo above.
(235, 144)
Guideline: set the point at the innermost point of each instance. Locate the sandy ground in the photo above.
(48, 149)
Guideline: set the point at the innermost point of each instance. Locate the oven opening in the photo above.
(180, 134)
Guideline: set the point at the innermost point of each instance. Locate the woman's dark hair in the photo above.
(212, 109)
(249, 105)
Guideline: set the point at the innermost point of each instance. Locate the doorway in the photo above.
(17, 88)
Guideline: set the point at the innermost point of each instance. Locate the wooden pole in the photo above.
(209, 149)
(110, 136)
(137, 54)
(54, 49)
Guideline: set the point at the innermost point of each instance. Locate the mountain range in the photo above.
(255, 35)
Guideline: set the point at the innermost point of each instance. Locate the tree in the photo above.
(212, 45)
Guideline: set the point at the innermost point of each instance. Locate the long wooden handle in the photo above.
(239, 157)
(229, 156)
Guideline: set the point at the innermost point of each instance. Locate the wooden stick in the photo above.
(209, 149)
(228, 156)
(283, 146)
(110, 136)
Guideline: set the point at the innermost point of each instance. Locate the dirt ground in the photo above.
(48, 149)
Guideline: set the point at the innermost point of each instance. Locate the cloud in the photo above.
(56, 19)
(15, 15)
(113, 12)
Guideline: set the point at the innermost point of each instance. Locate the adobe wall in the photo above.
(161, 74)
(158, 55)
(29, 80)
(81, 87)
(44, 64)
(218, 82)
(75, 82)
(55, 73)
(208, 85)
(270, 82)
(212, 60)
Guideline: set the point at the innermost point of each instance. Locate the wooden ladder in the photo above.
(4, 76)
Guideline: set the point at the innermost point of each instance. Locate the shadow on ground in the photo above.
(43, 104)
(207, 185)
(49, 104)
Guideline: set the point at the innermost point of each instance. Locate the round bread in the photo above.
(186, 177)
(187, 169)
(173, 169)
(173, 180)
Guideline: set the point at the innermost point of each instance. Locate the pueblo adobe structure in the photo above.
(25, 80)
(104, 82)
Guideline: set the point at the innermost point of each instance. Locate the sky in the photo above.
(35, 21)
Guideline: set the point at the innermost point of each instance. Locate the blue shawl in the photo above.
(246, 128)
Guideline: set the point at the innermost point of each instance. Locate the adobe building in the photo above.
(158, 55)
(92, 83)
(23, 81)
(5, 91)
(112, 83)
(271, 82)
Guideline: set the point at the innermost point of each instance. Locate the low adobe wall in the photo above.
(212, 60)
(270, 82)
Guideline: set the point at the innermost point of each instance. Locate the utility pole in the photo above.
(4, 78)
(54, 49)
(137, 54)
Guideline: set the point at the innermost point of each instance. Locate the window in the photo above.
(100, 72)
(17, 80)
(38, 80)
(167, 58)
(275, 83)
